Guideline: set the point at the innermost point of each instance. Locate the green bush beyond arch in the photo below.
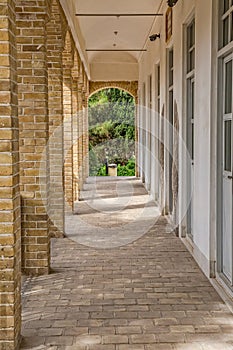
(112, 129)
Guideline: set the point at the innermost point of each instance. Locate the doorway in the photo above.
(225, 257)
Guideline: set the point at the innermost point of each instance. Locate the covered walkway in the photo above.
(143, 294)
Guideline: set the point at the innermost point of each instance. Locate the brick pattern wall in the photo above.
(56, 27)
(39, 91)
(86, 141)
(75, 91)
(68, 63)
(33, 119)
(80, 134)
(10, 237)
(83, 115)
(75, 74)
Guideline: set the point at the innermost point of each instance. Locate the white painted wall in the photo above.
(203, 113)
(156, 52)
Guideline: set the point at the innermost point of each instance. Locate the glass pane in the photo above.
(227, 146)
(225, 31)
(226, 5)
(150, 90)
(171, 68)
(171, 59)
(228, 87)
(191, 35)
(171, 107)
(231, 25)
(171, 77)
(191, 61)
(144, 94)
(158, 81)
(188, 62)
(192, 102)
(192, 142)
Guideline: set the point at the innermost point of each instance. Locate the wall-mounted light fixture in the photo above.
(153, 37)
(171, 3)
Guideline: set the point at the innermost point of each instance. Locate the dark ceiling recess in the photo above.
(171, 3)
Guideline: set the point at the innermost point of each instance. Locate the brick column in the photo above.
(75, 75)
(33, 125)
(137, 170)
(55, 28)
(80, 136)
(87, 121)
(68, 125)
(83, 138)
(10, 237)
(83, 126)
(86, 129)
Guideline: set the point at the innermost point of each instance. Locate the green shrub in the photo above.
(128, 169)
(102, 171)
(111, 131)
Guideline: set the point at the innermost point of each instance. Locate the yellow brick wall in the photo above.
(42, 88)
(56, 29)
(68, 63)
(33, 127)
(10, 237)
(75, 75)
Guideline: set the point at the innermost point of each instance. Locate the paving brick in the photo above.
(131, 347)
(115, 339)
(128, 330)
(124, 319)
(60, 341)
(143, 339)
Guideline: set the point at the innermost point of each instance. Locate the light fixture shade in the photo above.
(171, 3)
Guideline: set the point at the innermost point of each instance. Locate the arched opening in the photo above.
(111, 114)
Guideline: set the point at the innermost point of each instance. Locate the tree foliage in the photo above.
(112, 128)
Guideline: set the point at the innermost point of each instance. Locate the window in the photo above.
(227, 145)
(227, 113)
(226, 22)
(190, 83)
(158, 88)
(171, 122)
(144, 94)
(170, 64)
(190, 46)
(190, 115)
(150, 91)
(170, 85)
(228, 88)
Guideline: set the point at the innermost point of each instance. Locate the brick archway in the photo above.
(129, 86)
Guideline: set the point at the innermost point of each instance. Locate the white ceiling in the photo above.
(98, 32)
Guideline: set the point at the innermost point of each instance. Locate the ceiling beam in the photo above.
(118, 14)
(119, 50)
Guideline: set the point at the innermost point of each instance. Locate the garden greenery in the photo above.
(111, 132)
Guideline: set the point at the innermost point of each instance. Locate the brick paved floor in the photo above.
(146, 295)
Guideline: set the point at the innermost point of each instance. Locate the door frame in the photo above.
(222, 59)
